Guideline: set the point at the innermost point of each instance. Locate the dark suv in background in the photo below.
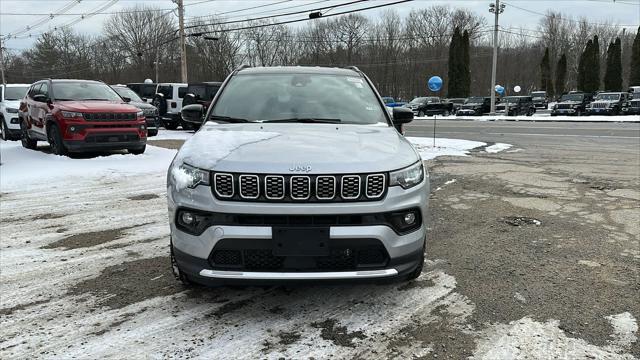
(540, 99)
(80, 115)
(475, 105)
(516, 105)
(197, 101)
(146, 91)
(430, 105)
(573, 103)
(150, 111)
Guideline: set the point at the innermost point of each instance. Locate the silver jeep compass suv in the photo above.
(298, 174)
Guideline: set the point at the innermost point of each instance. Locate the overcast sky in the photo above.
(626, 12)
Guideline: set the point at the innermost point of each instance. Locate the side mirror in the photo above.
(40, 98)
(402, 115)
(126, 99)
(192, 113)
(144, 99)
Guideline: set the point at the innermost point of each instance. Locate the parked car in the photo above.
(516, 105)
(197, 101)
(168, 101)
(146, 91)
(391, 102)
(633, 104)
(475, 106)
(310, 182)
(150, 111)
(430, 105)
(608, 103)
(80, 115)
(457, 103)
(634, 89)
(573, 103)
(540, 99)
(10, 96)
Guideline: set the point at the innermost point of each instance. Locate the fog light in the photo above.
(187, 218)
(409, 218)
(73, 129)
(142, 127)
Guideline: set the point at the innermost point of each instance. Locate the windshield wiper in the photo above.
(228, 119)
(304, 120)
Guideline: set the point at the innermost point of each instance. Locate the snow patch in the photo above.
(496, 148)
(450, 181)
(451, 147)
(625, 328)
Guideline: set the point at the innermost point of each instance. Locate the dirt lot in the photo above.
(532, 253)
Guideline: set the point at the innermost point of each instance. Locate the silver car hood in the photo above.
(289, 148)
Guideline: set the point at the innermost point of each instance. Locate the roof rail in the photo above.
(243, 66)
(354, 68)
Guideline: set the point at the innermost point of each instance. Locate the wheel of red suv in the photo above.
(175, 269)
(137, 151)
(55, 140)
(27, 142)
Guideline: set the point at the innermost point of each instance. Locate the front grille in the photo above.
(223, 185)
(249, 186)
(296, 188)
(565, 106)
(599, 105)
(257, 255)
(350, 188)
(109, 116)
(109, 138)
(635, 103)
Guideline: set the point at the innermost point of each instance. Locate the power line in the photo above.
(43, 21)
(196, 18)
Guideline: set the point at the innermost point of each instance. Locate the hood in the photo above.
(569, 102)
(97, 106)
(14, 104)
(604, 101)
(471, 105)
(277, 148)
(141, 105)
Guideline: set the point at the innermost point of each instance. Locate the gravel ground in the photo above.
(532, 253)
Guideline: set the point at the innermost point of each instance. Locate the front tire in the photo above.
(27, 142)
(420, 113)
(446, 113)
(418, 270)
(55, 141)
(4, 135)
(175, 269)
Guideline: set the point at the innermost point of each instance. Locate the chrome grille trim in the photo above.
(319, 191)
(293, 190)
(381, 178)
(229, 177)
(269, 188)
(343, 186)
(242, 179)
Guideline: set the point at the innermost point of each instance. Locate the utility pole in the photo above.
(2, 62)
(497, 9)
(183, 46)
(157, 64)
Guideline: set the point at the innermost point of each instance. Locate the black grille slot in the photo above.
(375, 186)
(565, 106)
(338, 259)
(300, 187)
(274, 187)
(371, 257)
(227, 257)
(262, 259)
(223, 185)
(350, 187)
(108, 138)
(109, 116)
(325, 187)
(249, 186)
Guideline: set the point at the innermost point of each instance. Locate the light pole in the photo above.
(497, 9)
(183, 45)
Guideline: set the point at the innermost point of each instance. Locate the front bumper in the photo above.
(564, 112)
(631, 110)
(193, 253)
(153, 123)
(598, 111)
(467, 112)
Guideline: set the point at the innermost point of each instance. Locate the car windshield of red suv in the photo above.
(81, 91)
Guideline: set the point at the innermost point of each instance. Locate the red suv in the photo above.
(80, 115)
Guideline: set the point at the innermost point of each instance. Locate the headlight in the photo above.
(140, 113)
(71, 114)
(187, 176)
(12, 110)
(408, 177)
(576, 106)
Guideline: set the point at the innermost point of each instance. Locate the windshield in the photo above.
(126, 92)
(608, 97)
(15, 92)
(419, 100)
(572, 97)
(269, 97)
(78, 91)
(203, 92)
(475, 100)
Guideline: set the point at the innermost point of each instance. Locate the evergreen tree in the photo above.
(561, 75)
(634, 78)
(545, 74)
(466, 88)
(582, 66)
(454, 86)
(613, 74)
(592, 68)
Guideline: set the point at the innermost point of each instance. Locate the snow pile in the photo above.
(625, 328)
(173, 135)
(22, 167)
(450, 147)
(496, 148)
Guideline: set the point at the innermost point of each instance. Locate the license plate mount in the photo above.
(300, 241)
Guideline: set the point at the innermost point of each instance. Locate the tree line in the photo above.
(398, 53)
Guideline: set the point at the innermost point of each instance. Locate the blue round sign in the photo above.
(435, 83)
